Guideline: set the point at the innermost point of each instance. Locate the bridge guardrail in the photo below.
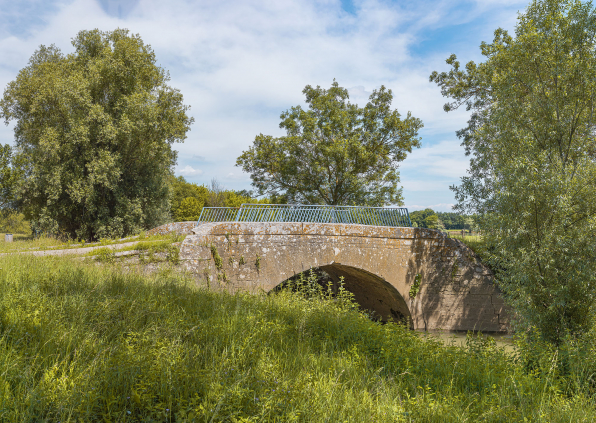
(250, 212)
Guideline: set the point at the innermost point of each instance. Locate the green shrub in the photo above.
(190, 209)
(14, 223)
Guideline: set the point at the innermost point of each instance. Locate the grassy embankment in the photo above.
(82, 342)
(23, 243)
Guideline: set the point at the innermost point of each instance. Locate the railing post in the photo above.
(238, 214)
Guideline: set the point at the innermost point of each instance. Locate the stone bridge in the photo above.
(453, 290)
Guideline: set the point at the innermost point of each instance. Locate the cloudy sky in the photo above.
(240, 63)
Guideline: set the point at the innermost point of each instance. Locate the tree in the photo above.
(7, 179)
(532, 176)
(10, 220)
(334, 152)
(188, 199)
(181, 190)
(189, 209)
(426, 218)
(93, 136)
(13, 222)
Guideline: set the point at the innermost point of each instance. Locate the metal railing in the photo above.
(248, 212)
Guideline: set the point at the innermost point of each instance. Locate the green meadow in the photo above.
(88, 340)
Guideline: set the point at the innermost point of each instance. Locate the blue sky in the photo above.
(239, 64)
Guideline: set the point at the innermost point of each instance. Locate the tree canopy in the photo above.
(93, 136)
(426, 218)
(335, 152)
(532, 174)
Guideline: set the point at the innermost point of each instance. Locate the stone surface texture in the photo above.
(378, 264)
(179, 228)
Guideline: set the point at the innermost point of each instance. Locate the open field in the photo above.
(82, 340)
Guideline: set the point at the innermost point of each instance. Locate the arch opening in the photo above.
(372, 293)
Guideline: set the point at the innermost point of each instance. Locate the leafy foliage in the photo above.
(13, 222)
(93, 136)
(532, 171)
(182, 190)
(188, 199)
(190, 209)
(7, 178)
(428, 218)
(334, 152)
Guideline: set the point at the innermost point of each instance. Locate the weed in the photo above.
(207, 275)
(241, 261)
(258, 263)
(454, 270)
(415, 288)
(216, 257)
(173, 255)
(104, 255)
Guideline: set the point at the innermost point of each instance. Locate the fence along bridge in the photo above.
(394, 270)
(271, 213)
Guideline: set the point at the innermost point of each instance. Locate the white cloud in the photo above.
(240, 64)
(189, 171)
(445, 160)
(237, 176)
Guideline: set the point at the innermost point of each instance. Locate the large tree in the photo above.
(7, 179)
(335, 152)
(93, 136)
(532, 175)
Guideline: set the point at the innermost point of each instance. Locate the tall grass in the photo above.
(82, 342)
(23, 242)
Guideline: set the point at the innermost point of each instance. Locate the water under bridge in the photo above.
(393, 270)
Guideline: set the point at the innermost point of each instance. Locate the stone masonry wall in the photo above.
(378, 264)
(179, 228)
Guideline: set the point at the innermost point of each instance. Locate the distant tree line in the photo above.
(428, 218)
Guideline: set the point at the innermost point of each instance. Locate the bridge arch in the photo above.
(381, 265)
(374, 294)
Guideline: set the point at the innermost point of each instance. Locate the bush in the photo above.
(15, 223)
(190, 209)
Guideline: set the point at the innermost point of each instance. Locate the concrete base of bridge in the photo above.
(435, 282)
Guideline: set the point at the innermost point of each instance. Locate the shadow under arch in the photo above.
(372, 293)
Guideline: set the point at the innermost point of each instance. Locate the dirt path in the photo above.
(70, 251)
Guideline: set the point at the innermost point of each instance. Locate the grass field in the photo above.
(87, 341)
(23, 243)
